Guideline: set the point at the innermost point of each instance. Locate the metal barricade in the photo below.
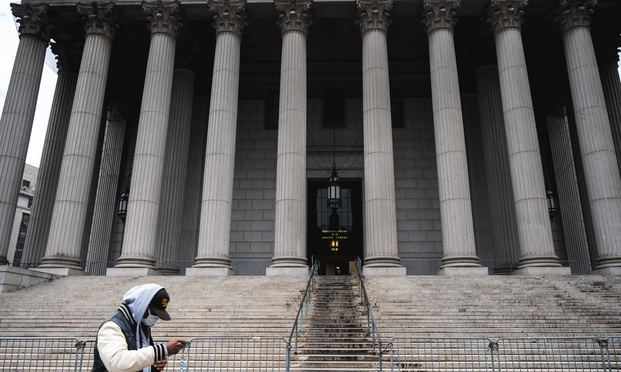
(39, 354)
(554, 354)
(234, 354)
(410, 354)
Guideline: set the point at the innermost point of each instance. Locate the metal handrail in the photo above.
(364, 300)
(305, 301)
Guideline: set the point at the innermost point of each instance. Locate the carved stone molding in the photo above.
(67, 56)
(228, 16)
(575, 13)
(374, 14)
(32, 19)
(294, 15)
(506, 13)
(439, 14)
(97, 18)
(116, 111)
(162, 16)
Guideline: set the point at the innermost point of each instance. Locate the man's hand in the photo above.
(174, 346)
(160, 364)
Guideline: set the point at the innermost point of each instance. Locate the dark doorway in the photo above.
(335, 239)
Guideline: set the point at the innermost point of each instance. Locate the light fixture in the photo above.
(122, 213)
(334, 245)
(334, 190)
(551, 204)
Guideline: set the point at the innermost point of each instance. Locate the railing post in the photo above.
(493, 347)
(288, 352)
(79, 354)
(603, 346)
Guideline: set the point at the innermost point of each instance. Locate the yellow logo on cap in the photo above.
(164, 303)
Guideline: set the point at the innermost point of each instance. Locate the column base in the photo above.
(464, 271)
(132, 271)
(209, 271)
(383, 271)
(13, 278)
(287, 271)
(59, 271)
(55, 262)
(607, 271)
(542, 271)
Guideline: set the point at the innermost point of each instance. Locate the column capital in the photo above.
(506, 14)
(32, 19)
(439, 14)
(97, 18)
(162, 16)
(575, 13)
(68, 56)
(228, 15)
(373, 14)
(294, 15)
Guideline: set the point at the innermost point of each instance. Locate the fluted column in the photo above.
(106, 200)
(455, 205)
(52, 155)
(63, 252)
(175, 171)
(290, 220)
(603, 182)
(568, 194)
(139, 240)
(535, 234)
(193, 185)
(380, 217)
(18, 112)
(503, 220)
(215, 221)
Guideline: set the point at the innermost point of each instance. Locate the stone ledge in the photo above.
(607, 271)
(209, 271)
(287, 271)
(14, 278)
(465, 271)
(543, 271)
(60, 271)
(132, 271)
(384, 271)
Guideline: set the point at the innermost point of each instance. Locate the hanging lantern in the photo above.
(334, 190)
(123, 205)
(551, 204)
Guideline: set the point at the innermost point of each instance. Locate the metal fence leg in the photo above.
(79, 355)
(603, 345)
(493, 347)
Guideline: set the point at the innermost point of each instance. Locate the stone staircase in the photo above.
(238, 306)
(496, 306)
(335, 336)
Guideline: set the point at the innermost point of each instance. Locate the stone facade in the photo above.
(459, 131)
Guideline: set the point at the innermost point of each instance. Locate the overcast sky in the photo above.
(8, 45)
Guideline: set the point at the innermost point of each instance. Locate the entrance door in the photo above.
(335, 239)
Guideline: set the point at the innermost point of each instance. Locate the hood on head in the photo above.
(139, 298)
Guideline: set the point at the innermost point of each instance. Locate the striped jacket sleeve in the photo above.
(116, 356)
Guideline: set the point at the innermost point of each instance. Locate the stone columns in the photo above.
(500, 190)
(455, 205)
(106, 200)
(603, 182)
(215, 221)
(533, 221)
(18, 112)
(138, 252)
(380, 216)
(175, 171)
(290, 224)
(568, 194)
(51, 159)
(63, 253)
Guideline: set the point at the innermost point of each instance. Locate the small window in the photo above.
(334, 108)
(25, 183)
(271, 108)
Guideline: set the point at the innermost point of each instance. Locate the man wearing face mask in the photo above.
(124, 342)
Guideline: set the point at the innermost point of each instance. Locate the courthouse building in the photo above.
(221, 137)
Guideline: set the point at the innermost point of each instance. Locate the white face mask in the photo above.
(150, 320)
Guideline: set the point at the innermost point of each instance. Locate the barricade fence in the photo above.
(407, 354)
